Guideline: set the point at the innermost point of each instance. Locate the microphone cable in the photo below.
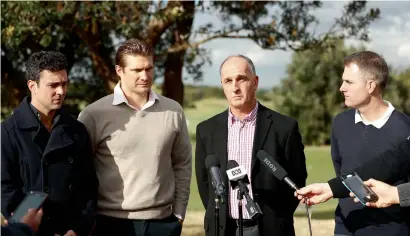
(308, 215)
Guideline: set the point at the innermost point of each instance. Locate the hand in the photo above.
(33, 218)
(387, 194)
(70, 233)
(314, 193)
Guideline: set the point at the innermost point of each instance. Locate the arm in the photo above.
(390, 166)
(11, 182)
(200, 169)
(295, 156)
(85, 224)
(181, 163)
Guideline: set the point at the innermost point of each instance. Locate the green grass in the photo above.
(318, 161)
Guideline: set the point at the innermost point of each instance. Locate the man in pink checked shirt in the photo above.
(238, 134)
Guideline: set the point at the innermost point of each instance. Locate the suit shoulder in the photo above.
(281, 118)
(211, 121)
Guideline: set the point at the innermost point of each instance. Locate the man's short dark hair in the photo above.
(44, 60)
(133, 47)
(372, 65)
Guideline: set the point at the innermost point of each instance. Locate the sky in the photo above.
(390, 37)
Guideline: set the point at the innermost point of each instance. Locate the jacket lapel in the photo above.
(263, 124)
(59, 138)
(221, 142)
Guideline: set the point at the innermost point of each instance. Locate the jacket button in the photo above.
(45, 163)
(70, 187)
(47, 189)
(70, 160)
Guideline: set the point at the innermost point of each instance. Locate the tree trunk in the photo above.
(173, 86)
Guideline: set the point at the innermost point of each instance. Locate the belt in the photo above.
(247, 222)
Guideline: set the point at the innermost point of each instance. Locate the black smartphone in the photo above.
(33, 200)
(355, 184)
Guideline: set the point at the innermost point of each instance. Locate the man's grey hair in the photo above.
(247, 59)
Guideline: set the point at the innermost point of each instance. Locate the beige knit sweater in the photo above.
(142, 158)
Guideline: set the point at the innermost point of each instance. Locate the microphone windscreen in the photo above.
(211, 161)
(267, 160)
(232, 164)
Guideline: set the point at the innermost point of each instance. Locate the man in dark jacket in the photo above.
(44, 149)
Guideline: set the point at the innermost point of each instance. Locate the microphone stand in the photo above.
(217, 215)
(240, 226)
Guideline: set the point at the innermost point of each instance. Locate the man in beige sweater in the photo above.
(142, 151)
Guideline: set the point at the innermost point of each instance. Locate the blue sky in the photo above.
(390, 37)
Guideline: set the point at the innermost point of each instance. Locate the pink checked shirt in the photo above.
(240, 145)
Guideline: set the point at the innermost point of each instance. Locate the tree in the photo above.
(88, 33)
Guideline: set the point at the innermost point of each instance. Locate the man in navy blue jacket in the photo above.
(359, 134)
(44, 149)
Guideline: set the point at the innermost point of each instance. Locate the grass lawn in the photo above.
(318, 161)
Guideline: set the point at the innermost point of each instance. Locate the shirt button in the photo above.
(70, 160)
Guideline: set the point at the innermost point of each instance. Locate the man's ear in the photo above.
(371, 86)
(119, 70)
(32, 85)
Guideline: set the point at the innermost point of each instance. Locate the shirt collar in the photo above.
(37, 114)
(376, 123)
(120, 98)
(248, 118)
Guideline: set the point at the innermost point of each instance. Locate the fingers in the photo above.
(39, 215)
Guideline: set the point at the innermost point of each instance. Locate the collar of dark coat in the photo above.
(25, 115)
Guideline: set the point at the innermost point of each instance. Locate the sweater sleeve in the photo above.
(181, 165)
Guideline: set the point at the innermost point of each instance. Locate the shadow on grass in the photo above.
(318, 215)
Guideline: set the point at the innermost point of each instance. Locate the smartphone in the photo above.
(355, 184)
(33, 200)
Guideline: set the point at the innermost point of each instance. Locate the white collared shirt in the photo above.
(376, 123)
(119, 98)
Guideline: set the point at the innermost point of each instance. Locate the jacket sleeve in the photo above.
(86, 223)
(14, 229)
(11, 182)
(390, 166)
(404, 194)
(295, 155)
(200, 169)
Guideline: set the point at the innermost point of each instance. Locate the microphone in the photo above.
(276, 169)
(212, 165)
(239, 179)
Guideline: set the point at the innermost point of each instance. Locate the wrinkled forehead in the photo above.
(235, 67)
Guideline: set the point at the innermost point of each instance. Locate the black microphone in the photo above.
(212, 165)
(276, 169)
(238, 178)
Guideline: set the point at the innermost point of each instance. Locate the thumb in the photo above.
(370, 182)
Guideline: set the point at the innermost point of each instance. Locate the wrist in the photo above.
(395, 199)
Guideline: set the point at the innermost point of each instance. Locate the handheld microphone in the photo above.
(212, 165)
(238, 178)
(276, 169)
